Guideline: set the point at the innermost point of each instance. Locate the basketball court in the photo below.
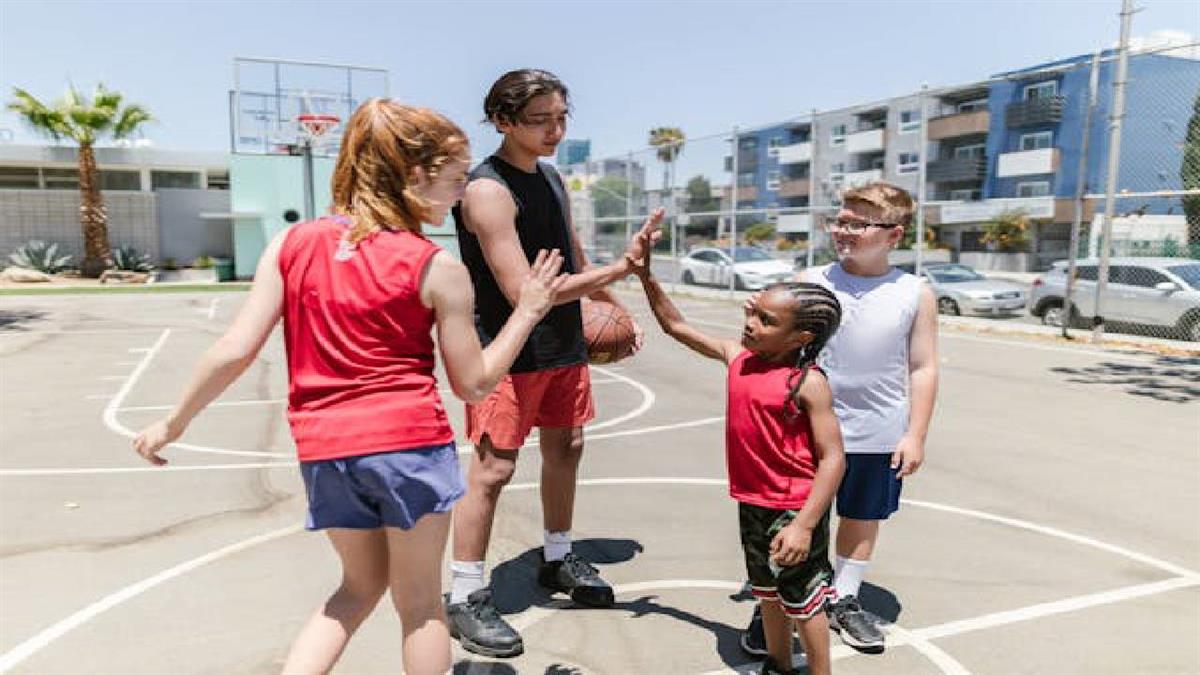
(1053, 528)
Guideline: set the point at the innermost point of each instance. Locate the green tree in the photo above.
(669, 143)
(1189, 173)
(1008, 231)
(701, 200)
(609, 194)
(85, 121)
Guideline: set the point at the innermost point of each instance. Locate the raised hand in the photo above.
(541, 285)
(638, 251)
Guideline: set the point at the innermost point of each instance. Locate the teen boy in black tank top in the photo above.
(541, 224)
(510, 210)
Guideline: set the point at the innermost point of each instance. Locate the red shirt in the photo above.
(359, 348)
(768, 454)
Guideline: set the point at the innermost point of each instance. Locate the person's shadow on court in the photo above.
(514, 582)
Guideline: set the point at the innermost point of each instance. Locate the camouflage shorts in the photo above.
(803, 589)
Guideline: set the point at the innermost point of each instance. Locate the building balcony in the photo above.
(794, 222)
(959, 124)
(795, 187)
(946, 170)
(857, 178)
(746, 193)
(865, 141)
(1027, 163)
(796, 153)
(1037, 111)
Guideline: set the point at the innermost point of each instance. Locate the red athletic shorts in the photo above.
(554, 398)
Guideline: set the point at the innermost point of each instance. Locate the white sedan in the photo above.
(753, 268)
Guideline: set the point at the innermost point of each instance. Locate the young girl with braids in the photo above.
(783, 451)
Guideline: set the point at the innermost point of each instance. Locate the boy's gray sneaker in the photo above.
(754, 641)
(479, 628)
(855, 626)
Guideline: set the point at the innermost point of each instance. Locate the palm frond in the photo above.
(38, 115)
(130, 118)
(105, 98)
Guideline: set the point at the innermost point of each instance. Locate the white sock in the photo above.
(466, 577)
(557, 544)
(838, 562)
(849, 576)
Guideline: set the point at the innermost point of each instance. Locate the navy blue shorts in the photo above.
(870, 489)
(386, 489)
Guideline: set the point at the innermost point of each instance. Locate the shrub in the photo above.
(204, 262)
(130, 259)
(41, 256)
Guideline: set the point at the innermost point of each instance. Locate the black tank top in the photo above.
(541, 223)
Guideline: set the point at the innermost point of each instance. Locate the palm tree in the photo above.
(669, 142)
(85, 121)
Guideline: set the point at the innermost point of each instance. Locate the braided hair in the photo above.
(815, 309)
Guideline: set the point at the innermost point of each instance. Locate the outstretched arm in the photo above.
(227, 359)
(673, 323)
(490, 215)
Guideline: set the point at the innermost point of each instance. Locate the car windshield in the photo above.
(1189, 273)
(950, 274)
(749, 254)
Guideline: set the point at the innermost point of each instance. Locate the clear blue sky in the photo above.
(702, 66)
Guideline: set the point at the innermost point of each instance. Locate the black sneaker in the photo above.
(479, 628)
(754, 641)
(771, 668)
(576, 577)
(855, 626)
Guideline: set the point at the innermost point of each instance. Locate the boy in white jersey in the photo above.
(882, 368)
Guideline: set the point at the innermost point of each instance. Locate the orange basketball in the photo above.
(608, 330)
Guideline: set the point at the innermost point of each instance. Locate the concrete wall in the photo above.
(53, 215)
(184, 234)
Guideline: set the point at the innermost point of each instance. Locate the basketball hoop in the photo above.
(313, 126)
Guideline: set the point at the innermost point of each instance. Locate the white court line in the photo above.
(114, 404)
(214, 404)
(113, 378)
(260, 465)
(28, 648)
(45, 637)
(170, 468)
(212, 309)
(95, 331)
(647, 400)
(1055, 607)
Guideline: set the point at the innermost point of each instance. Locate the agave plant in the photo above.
(130, 259)
(41, 256)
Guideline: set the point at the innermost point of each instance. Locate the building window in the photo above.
(878, 162)
(773, 145)
(218, 180)
(908, 162)
(837, 135)
(910, 121)
(174, 179)
(966, 195)
(749, 143)
(974, 151)
(1039, 188)
(18, 177)
(61, 179)
(772, 180)
(1037, 141)
(746, 179)
(1040, 90)
(973, 105)
(120, 180)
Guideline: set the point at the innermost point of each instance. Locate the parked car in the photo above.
(962, 290)
(753, 268)
(1159, 292)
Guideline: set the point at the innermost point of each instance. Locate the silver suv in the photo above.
(1163, 292)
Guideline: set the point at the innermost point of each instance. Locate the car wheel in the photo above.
(1053, 315)
(738, 284)
(1190, 329)
(688, 278)
(948, 307)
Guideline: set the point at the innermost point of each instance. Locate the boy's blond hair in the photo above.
(894, 201)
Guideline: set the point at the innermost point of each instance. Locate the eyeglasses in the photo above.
(854, 226)
(538, 121)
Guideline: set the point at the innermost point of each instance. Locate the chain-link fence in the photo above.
(1006, 172)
